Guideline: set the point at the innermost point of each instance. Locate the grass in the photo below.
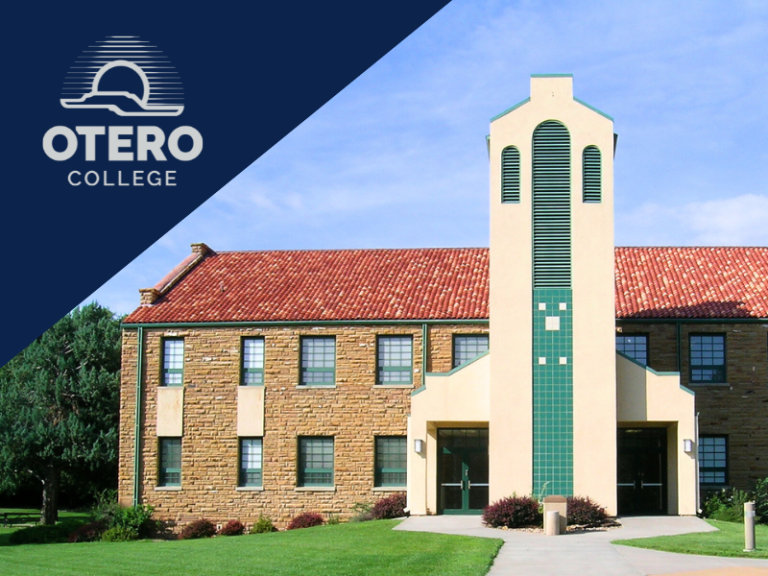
(370, 548)
(727, 541)
(34, 515)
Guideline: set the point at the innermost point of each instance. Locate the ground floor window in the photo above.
(390, 461)
(713, 460)
(169, 458)
(250, 462)
(315, 461)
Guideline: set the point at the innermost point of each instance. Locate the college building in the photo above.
(552, 363)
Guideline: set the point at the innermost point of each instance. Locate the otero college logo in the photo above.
(128, 77)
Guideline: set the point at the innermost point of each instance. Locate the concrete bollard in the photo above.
(749, 527)
(552, 523)
(560, 505)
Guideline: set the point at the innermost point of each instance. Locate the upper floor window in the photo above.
(592, 189)
(253, 362)
(713, 460)
(633, 345)
(250, 462)
(510, 175)
(468, 347)
(169, 460)
(394, 360)
(173, 361)
(390, 461)
(707, 358)
(315, 461)
(318, 360)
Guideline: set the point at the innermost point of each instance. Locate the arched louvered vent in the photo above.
(592, 174)
(510, 174)
(551, 206)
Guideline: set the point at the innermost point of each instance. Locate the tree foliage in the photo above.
(59, 402)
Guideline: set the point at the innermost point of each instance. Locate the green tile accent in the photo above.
(553, 394)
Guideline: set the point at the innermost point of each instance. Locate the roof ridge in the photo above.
(298, 250)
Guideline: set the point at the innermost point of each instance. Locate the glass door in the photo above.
(462, 470)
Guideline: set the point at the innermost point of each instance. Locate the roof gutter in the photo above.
(130, 325)
(137, 433)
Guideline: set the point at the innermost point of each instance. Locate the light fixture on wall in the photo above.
(687, 446)
(418, 446)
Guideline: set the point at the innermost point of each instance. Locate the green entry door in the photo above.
(462, 470)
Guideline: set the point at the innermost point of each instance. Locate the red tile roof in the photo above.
(445, 283)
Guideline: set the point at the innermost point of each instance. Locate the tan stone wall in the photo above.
(353, 412)
(739, 408)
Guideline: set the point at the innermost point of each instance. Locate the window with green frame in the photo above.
(250, 462)
(390, 462)
(315, 461)
(633, 345)
(707, 354)
(467, 347)
(253, 362)
(713, 460)
(394, 360)
(173, 362)
(169, 460)
(318, 360)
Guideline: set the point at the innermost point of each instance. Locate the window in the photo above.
(633, 345)
(253, 362)
(250, 462)
(390, 461)
(170, 462)
(707, 358)
(510, 175)
(591, 175)
(713, 460)
(318, 360)
(469, 347)
(173, 362)
(316, 461)
(394, 360)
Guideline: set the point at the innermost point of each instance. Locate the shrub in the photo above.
(232, 528)
(306, 520)
(363, 512)
(513, 512)
(120, 534)
(333, 520)
(389, 507)
(198, 529)
(583, 511)
(761, 501)
(46, 534)
(726, 505)
(90, 532)
(136, 518)
(263, 526)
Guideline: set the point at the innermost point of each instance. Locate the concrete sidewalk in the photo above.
(592, 554)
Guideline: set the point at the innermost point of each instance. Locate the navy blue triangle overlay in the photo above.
(249, 73)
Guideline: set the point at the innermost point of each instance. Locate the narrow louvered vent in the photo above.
(592, 170)
(510, 174)
(551, 206)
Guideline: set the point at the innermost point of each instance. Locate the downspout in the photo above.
(698, 488)
(424, 357)
(679, 350)
(137, 417)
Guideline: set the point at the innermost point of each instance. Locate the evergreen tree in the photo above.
(59, 402)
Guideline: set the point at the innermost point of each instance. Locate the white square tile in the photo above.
(542, 306)
(542, 360)
(552, 323)
(563, 306)
(563, 360)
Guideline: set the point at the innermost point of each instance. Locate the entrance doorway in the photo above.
(462, 470)
(642, 473)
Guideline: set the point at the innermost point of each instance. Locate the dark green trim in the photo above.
(710, 366)
(298, 323)
(508, 110)
(484, 354)
(163, 370)
(551, 75)
(593, 109)
(424, 353)
(726, 469)
(316, 370)
(679, 343)
(137, 432)
(419, 390)
(644, 367)
(694, 320)
(381, 368)
(243, 369)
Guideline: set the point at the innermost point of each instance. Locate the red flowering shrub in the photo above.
(389, 507)
(306, 520)
(90, 532)
(232, 528)
(198, 529)
(513, 512)
(582, 511)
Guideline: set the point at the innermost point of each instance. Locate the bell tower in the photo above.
(553, 361)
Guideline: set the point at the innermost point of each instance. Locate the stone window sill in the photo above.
(250, 488)
(390, 489)
(710, 384)
(316, 386)
(315, 489)
(167, 488)
(393, 386)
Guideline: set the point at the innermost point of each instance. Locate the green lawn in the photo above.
(34, 514)
(369, 548)
(728, 541)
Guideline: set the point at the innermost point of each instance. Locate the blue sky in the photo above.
(398, 158)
